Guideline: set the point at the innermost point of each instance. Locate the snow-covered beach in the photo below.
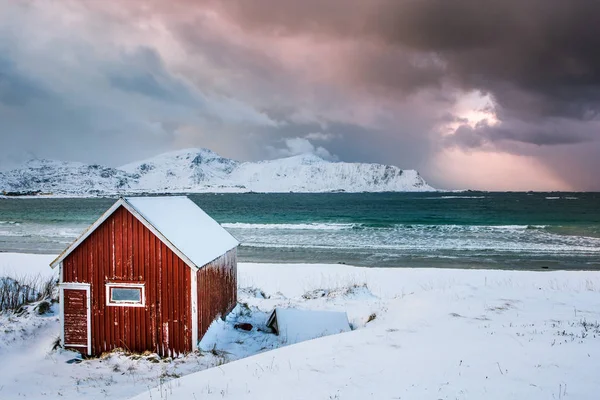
(417, 333)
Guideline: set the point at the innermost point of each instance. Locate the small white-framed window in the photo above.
(125, 294)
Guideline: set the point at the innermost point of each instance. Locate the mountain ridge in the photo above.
(198, 170)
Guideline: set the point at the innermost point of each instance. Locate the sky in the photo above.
(492, 95)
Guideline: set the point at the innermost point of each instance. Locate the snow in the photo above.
(202, 170)
(310, 173)
(65, 178)
(17, 265)
(186, 226)
(441, 334)
(294, 325)
(181, 170)
(417, 334)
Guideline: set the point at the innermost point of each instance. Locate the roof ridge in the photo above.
(188, 231)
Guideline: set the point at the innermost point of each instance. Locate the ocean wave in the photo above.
(536, 227)
(9, 223)
(461, 197)
(28, 231)
(564, 198)
(453, 197)
(15, 234)
(472, 228)
(67, 233)
(462, 249)
(325, 226)
(307, 226)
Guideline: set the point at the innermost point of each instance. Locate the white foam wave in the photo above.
(40, 231)
(316, 226)
(311, 226)
(459, 197)
(472, 227)
(14, 233)
(474, 249)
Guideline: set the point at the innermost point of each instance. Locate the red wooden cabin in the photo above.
(151, 274)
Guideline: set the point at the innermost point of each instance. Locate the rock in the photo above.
(43, 307)
(244, 326)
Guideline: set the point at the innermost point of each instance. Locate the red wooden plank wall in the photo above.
(122, 249)
(217, 290)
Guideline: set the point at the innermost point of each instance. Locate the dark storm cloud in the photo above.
(16, 88)
(537, 58)
(373, 81)
(94, 98)
(556, 133)
(143, 72)
(43, 118)
(543, 47)
(143, 83)
(448, 117)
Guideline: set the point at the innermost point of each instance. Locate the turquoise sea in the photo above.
(465, 230)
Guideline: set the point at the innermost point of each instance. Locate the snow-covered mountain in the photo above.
(188, 170)
(68, 178)
(201, 170)
(310, 173)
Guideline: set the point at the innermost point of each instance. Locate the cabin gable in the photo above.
(123, 255)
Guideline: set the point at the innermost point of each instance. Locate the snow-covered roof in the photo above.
(296, 325)
(186, 226)
(183, 226)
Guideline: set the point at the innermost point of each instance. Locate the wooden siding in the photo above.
(123, 250)
(217, 290)
(75, 314)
